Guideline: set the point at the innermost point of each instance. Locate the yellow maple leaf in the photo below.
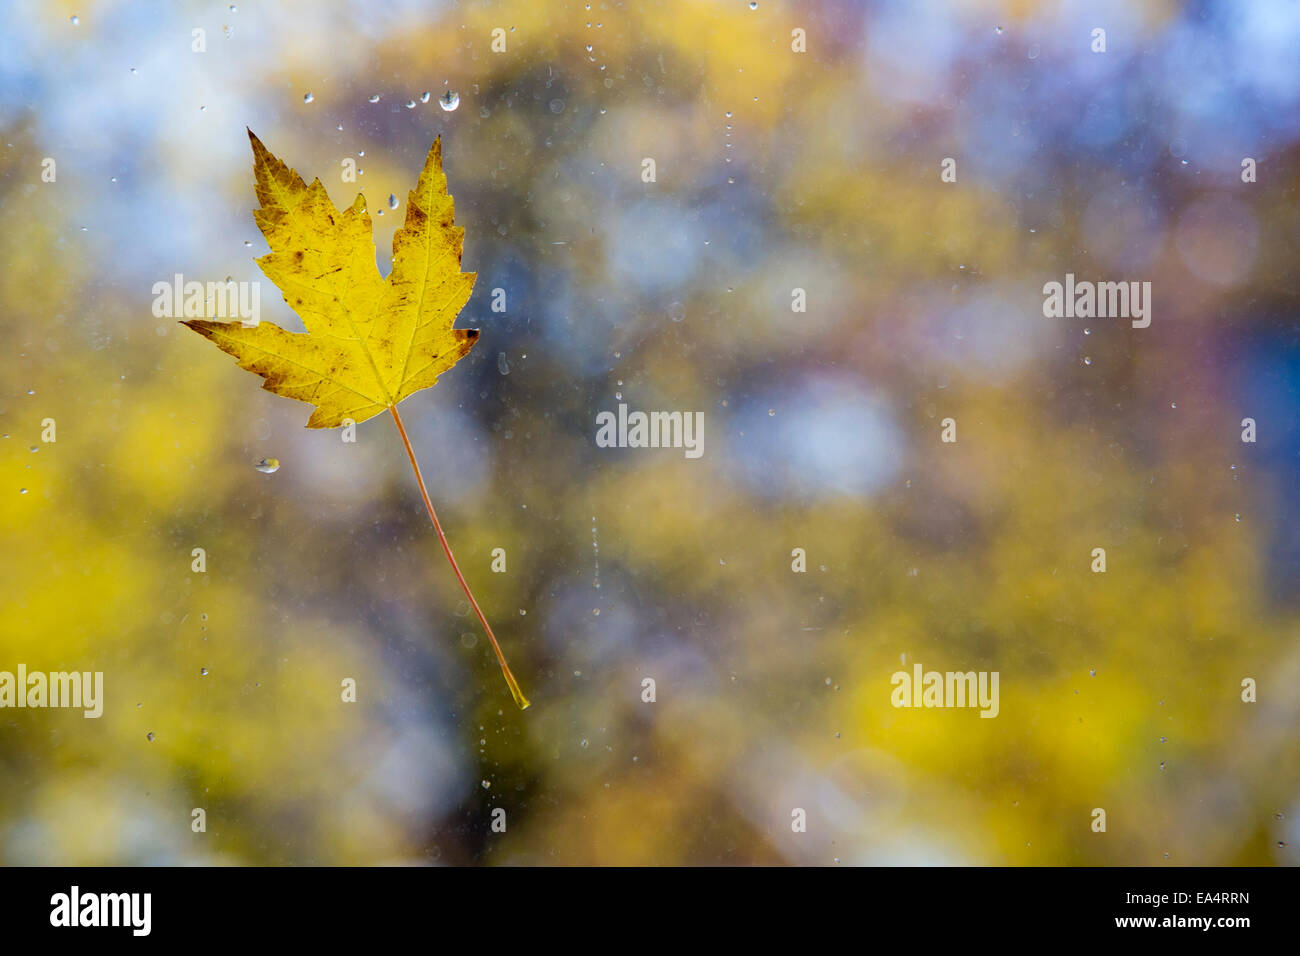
(369, 342)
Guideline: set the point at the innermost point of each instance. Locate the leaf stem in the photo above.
(513, 684)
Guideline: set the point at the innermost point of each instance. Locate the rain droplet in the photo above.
(268, 466)
(503, 366)
(595, 612)
(771, 413)
(203, 672)
(424, 97)
(76, 20)
(677, 312)
(753, 4)
(449, 100)
(486, 785)
(392, 201)
(1087, 360)
(410, 104)
(22, 491)
(469, 639)
(308, 97)
(149, 736)
(1092, 672)
(375, 98)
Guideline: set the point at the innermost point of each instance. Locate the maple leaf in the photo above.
(370, 342)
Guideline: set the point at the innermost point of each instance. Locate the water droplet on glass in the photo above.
(449, 100)
(392, 201)
(503, 366)
(22, 491)
(469, 639)
(308, 97)
(998, 30)
(677, 312)
(424, 97)
(149, 736)
(375, 98)
(583, 743)
(486, 785)
(595, 611)
(203, 672)
(268, 466)
(557, 106)
(76, 20)
(1087, 360)
(753, 4)
(1087, 331)
(410, 104)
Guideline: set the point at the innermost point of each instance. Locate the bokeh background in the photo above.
(775, 171)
